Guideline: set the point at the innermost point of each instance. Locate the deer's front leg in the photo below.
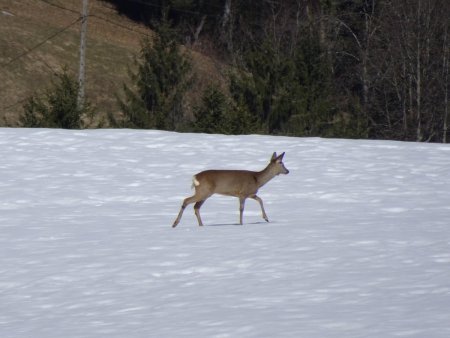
(256, 198)
(241, 208)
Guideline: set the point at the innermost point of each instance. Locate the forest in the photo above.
(375, 69)
(364, 68)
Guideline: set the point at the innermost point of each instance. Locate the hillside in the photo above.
(38, 38)
(358, 243)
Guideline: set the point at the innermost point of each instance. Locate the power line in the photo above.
(121, 25)
(30, 50)
(117, 24)
(140, 2)
(94, 16)
(60, 7)
(79, 18)
(18, 57)
(186, 11)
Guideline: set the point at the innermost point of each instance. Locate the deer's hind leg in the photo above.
(186, 202)
(199, 198)
(197, 207)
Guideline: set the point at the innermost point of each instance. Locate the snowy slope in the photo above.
(358, 244)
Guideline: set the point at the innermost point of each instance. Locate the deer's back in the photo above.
(228, 182)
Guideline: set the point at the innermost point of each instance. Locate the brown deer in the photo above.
(239, 183)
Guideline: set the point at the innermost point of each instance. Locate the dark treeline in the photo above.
(363, 68)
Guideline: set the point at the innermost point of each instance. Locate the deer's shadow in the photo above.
(235, 224)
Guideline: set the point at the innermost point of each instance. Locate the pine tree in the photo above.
(218, 114)
(57, 107)
(210, 116)
(161, 81)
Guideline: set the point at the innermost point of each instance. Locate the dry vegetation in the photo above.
(113, 43)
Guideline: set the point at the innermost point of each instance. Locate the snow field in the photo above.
(358, 244)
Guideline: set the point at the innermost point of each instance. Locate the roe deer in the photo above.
(239, 183)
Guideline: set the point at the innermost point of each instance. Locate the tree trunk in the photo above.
(199, 29)
(419, 135)
(227, 27)
(226, 13)
(445, 71)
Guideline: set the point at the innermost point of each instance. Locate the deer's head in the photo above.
(276, 162)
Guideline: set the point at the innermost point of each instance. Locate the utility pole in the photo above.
(84, 16)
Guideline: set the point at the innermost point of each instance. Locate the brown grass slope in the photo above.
(38, 38)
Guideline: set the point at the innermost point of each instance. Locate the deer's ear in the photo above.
(280, 158)
(274, 156)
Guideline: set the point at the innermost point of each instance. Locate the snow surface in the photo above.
(358, 244)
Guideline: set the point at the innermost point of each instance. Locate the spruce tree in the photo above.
(210, 116)
(218, 114)
(159, 86)
(57, 107)
(288, 91)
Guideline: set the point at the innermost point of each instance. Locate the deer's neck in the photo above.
(264, 176)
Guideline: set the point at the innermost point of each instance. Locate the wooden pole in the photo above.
(84, 16)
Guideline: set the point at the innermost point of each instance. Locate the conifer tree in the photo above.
(57, 107)
(217, 114)
(210, 116)
(161, 81)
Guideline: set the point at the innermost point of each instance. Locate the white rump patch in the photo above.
(195, 182)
